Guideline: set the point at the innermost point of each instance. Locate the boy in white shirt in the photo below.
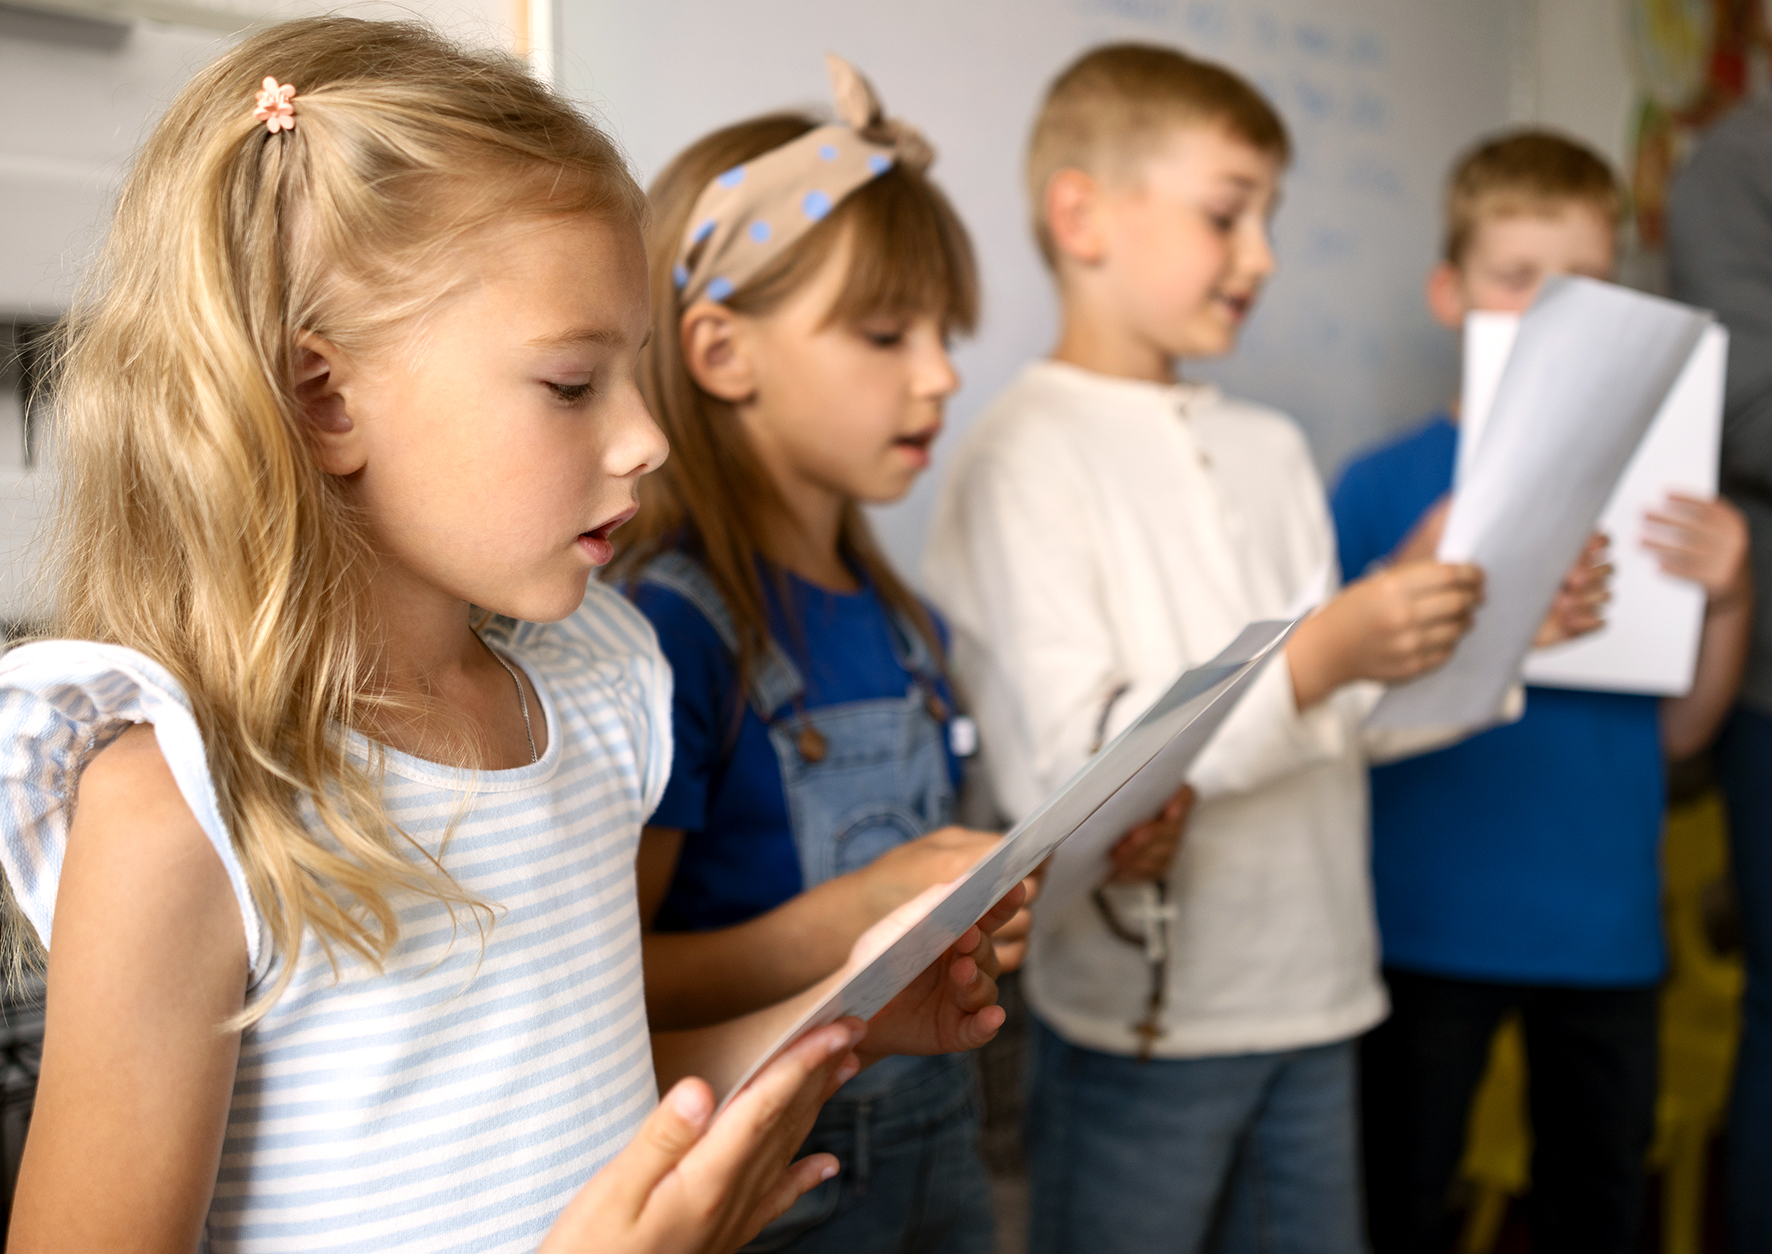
(1191, 1063)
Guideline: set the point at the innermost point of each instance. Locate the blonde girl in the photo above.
(337, 891)
(805, 279)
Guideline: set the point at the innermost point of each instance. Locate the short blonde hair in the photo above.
(1529, 171)
(1116, 103)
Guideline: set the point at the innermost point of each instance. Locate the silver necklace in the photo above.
(522, 699)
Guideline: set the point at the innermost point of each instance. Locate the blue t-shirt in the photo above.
(1529, 853)
(725, 792)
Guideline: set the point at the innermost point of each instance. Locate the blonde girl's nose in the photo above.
(637, 445)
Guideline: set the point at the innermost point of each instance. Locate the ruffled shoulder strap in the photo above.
(61, 701)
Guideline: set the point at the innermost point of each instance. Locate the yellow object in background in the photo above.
(1700, 1025)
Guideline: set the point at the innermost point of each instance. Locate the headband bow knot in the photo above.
(752, 213)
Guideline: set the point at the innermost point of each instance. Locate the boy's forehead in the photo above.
(1200, 147)
(1520, 221)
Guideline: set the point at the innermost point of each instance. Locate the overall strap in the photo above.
(909, 646)
(776, 681)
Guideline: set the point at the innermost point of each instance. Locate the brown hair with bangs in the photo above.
(1525, 172)
(1116, 104)
(908, 254)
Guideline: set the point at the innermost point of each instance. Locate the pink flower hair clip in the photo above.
(276, 106)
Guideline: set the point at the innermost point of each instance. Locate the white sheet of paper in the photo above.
(1125, 784)
(1650, 641)
(1590, 366)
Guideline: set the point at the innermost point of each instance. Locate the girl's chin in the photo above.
(887, 489)
(545, 603)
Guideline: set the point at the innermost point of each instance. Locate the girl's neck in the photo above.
(431, 659)
(807, 538)
(807, 543)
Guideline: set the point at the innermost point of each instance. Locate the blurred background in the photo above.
(1380, 96)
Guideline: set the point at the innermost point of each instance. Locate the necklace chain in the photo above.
(522, 700)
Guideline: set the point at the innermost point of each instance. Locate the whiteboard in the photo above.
(1379, 94)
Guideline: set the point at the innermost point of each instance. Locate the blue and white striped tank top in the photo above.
(457, 1101)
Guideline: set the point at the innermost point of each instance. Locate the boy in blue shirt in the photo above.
(1518, 869)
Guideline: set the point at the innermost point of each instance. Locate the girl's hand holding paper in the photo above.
(952, 1005)
(693, 1183)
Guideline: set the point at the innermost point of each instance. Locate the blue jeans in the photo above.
(1245, 1154)
(911, 1178)
(1743, 758)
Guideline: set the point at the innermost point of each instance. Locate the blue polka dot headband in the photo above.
(751, 214)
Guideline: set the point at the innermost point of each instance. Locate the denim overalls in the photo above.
(874, 776)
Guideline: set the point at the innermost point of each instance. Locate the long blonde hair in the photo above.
(194, 524)
(909, 254)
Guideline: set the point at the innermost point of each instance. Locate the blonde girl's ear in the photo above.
(320, 371)
(1073, 216)
(716, 352)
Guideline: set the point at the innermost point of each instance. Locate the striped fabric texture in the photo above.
(458, 1100)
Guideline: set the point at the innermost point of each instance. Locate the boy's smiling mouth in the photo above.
(1237, 306)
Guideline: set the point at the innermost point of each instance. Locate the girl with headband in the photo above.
(805, 280)
(325, 806)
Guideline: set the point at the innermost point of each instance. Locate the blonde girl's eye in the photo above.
(570, 393)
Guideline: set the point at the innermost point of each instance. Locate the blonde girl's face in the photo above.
(849, 409)
(495, 449)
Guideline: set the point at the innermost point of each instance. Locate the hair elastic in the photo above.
(276, 106)
(751, 214)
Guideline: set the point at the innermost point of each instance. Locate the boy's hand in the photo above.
(952, 1005)
(1704, 541)
(1145, 852)
(691, 1184)
(1390, 626)
(1580, 600)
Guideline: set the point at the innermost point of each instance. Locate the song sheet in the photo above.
(1125, 784)
(1589, 368)
(1650, 641)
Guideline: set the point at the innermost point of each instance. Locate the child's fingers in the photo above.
(1443, 607)
(673, 1128)
(968, 941)
(976, 1030)
(1441, 634)
(1179, 805)
(964, 969)
(1426, 578)
(1008, 907)
(768, 1109)
(1691, 509)
(801, 1177)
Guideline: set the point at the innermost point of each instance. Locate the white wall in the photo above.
(77, 95)
(1572, 71)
